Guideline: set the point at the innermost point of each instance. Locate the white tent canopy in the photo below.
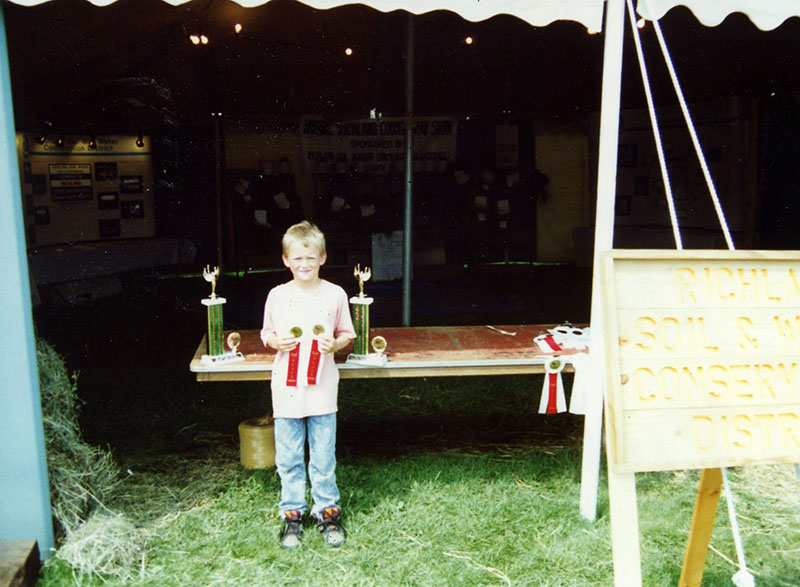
(534, 12)
(766, 15)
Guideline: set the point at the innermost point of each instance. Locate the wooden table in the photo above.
(436, 351)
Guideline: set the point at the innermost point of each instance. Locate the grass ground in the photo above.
(452, 481)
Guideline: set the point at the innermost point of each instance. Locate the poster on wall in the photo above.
(105, 170)
(375, 146)
(70, 181)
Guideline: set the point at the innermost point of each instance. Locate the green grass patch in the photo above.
(501, 516)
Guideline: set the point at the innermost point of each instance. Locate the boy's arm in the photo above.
(329, 344)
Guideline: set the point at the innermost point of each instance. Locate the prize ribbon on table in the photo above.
(553, 400)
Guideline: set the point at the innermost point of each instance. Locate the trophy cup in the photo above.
(361, 303)
(214, 303)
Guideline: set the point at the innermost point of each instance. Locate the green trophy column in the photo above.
(361, 324)
(216, 346)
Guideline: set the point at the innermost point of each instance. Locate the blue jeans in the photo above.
(290, 457)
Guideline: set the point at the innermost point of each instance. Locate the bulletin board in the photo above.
(74, 191)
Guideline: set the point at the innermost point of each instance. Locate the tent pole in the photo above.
(409, 188)
(603, 241)
(25, 490)
(218, 185)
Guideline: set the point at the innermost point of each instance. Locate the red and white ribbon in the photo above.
(294, 364)
(553, 400)
(314, 363)
(547, 343)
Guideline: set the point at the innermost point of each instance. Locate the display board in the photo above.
(74, 191)
(376, 145)
(702, 351)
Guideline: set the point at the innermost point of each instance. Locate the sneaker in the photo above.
(333, 533)
(291, 529)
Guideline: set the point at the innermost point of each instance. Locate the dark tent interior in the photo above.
(131, 67)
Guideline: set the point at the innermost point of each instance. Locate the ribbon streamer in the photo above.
(313, 363)
(294, 363)
(580, 384)
(553, 400)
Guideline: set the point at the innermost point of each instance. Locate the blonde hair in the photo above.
(305, 233)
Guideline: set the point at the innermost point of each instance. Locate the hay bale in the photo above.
(81, 476)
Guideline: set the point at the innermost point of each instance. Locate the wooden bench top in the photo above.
(430, 351)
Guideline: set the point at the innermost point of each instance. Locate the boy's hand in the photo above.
(326, 344)
(285, 343)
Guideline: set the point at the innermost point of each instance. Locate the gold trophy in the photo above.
(361, 303)
(214, 303)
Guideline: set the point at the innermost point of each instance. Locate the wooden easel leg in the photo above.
(624, 529)
(705, 510)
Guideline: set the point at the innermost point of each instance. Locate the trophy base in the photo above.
(370, 360)
(226, 357)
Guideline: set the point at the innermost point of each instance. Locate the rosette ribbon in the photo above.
(553, 400)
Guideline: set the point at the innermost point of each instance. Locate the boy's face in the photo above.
(304, 261)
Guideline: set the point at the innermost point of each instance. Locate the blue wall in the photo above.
(24, 490)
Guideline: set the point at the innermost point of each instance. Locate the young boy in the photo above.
(306, 320)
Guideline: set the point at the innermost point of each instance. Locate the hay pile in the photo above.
(92, 539)
(81, 476)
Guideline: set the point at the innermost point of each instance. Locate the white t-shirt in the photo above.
(290, 307)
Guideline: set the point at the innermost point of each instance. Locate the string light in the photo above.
(237, 28)
(92, 142)
(60, 141)
(348, 51)
(41, 139)
(204, 39)
(469, 40)
(140, 141)
(195, 39)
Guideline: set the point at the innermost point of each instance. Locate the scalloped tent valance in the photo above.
(765, 15)
(535, 12)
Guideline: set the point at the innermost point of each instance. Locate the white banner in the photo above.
(376, 146)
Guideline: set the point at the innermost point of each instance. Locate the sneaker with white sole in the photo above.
(292, 529)
(333, 533)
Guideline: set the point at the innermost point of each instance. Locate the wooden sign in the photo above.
(703, 357)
